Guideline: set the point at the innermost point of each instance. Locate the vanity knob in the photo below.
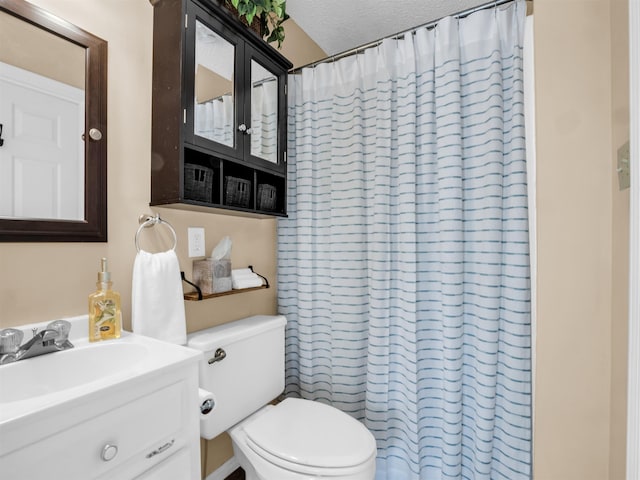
(109, 452)
(95, 134)
(242, 128)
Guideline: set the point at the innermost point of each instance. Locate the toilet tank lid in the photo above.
(227, 333)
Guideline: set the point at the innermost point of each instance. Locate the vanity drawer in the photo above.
(132, 437)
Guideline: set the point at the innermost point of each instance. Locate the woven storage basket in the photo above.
(266, 197)
(198, 182)
(237, 191)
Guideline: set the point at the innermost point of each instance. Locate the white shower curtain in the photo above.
(214, 119)
(403, 267)
(264, 121)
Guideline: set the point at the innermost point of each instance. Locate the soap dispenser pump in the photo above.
(105, 316)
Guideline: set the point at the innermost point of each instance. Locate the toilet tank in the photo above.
(250, 375)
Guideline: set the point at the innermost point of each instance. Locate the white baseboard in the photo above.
(224, 470)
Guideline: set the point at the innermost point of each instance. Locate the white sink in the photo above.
(55, 372)
(103, 410)
(52, 379)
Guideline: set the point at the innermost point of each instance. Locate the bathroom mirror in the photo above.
(264, 113)
(53, 134)
(214, 95)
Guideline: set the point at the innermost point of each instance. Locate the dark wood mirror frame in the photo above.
(94, 226)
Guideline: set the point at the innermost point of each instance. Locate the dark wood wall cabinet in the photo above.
(219, 112)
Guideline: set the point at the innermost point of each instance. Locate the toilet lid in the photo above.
(312, 434)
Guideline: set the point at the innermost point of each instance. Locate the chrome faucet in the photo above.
(53, 338)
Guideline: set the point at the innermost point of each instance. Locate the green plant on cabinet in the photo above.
(272, 14)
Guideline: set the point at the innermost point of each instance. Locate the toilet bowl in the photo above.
(304, 439)
(294, 440)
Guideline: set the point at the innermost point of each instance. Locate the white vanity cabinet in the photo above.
(143, 425)
(137, 433)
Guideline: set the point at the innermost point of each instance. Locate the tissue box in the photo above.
(212, 276)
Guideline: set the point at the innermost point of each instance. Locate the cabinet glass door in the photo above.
(264, 113)
(214, 103)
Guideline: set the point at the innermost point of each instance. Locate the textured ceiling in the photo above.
(340, 25)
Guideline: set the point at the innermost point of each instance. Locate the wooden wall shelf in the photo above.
(193, 296)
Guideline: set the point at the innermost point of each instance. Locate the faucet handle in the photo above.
(62, 328)
(10, 340)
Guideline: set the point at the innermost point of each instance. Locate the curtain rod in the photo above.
(375, 43)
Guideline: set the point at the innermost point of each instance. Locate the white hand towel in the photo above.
(244, 278)
(239, 284)
(241, 272)
(157, 300)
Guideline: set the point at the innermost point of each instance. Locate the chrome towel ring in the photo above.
(147, 221)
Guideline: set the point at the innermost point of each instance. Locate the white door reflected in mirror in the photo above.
(42, 112)
(42, 158)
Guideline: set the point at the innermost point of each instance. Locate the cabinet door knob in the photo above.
(95, 134)
(109, 452)
(242, 128)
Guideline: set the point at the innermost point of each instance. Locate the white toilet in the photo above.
(296, 439)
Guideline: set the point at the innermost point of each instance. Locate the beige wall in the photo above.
(36, 50)
(44, 281)
(580, 122)
(620, 246)
(48, 280)
(298, 47)
(579, 57)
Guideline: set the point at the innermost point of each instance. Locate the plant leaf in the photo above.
(251, 13)
(272, 13)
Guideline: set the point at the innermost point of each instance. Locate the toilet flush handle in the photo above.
(207, 406)
(218, 356)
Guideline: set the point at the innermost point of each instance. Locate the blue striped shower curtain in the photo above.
(403, 267)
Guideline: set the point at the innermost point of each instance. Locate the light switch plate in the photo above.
(196, 242)
(623, 168)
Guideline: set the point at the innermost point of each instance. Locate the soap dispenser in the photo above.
(105, 316)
